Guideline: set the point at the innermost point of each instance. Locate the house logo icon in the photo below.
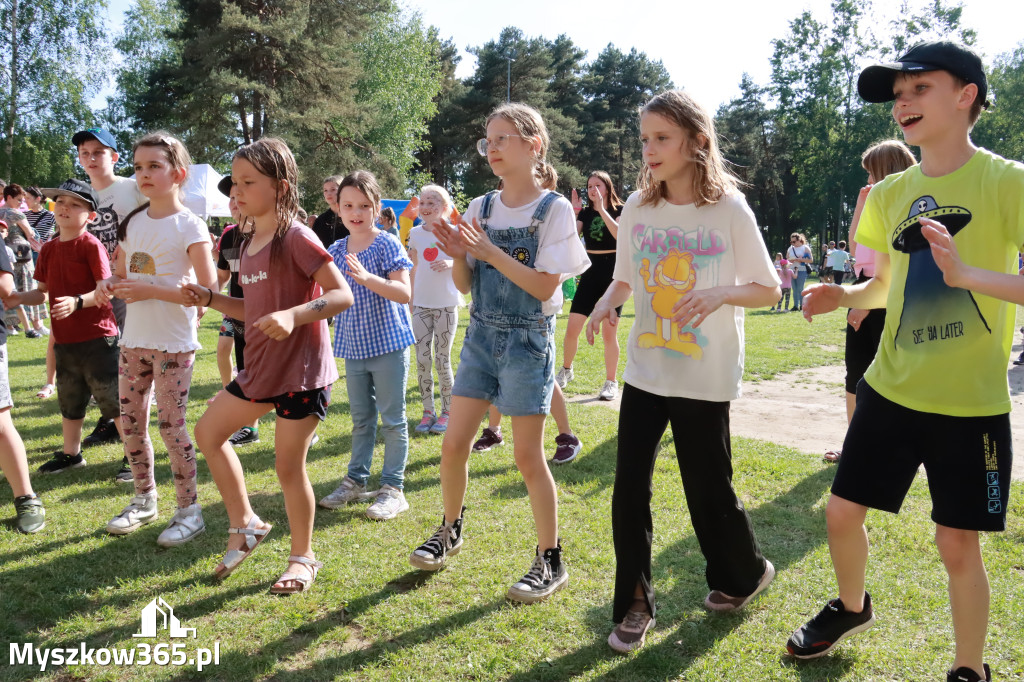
(158, 614)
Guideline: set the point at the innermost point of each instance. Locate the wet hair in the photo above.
(885, 158)
(610, 195)
(13, 190)
(387, 213)
(365, 182)
(446, 198)
(712, 180)
(301, 215)
(176, 155)
(529, 124)
(270, 156)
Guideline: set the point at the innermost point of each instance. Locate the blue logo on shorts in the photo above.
(993, 493)
(993, 478)
(994, 507)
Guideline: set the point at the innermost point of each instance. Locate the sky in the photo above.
(706, 48)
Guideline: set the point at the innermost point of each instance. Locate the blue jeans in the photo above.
(378, 384)
(798, 288)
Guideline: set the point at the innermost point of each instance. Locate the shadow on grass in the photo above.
(691, 638)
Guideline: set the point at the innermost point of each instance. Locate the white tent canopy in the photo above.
(200, 194)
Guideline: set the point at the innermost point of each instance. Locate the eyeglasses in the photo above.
(497, 144)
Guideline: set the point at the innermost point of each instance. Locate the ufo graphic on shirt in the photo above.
(934, 313)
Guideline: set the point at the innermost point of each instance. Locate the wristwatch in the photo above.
(78, 302)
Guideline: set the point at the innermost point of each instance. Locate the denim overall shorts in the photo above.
(508, 356)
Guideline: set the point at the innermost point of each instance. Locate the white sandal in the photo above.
(234, 557)
(46, 391)
(304, 581)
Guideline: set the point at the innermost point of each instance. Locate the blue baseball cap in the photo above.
(104, 138)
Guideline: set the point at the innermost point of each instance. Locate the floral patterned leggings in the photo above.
(170, 375)
(434, 329)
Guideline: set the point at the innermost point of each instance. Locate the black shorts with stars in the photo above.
(294, 404)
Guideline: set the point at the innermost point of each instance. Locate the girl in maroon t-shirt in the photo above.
(291, 286)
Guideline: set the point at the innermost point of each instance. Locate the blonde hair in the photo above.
(711, 179)
(442, 193)
(609, 189)
(529, 124)
(885, 158)
(365, 182)
(176, 155)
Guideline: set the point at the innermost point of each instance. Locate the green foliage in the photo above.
(1002, 128)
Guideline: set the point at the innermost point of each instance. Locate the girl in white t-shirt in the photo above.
(435, 302)
(162, 245)
(513, 252)
(692, 254)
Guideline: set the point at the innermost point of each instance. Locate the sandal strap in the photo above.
(250, 528)
(305, 561)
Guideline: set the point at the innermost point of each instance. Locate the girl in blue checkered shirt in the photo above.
(373, 336)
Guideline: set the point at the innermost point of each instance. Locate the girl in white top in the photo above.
(513, 252)
(162, 245)
(690, 250)
(435, 301)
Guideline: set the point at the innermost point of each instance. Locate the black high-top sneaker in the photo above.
(967, 675)
(445, 542)
(546, 576)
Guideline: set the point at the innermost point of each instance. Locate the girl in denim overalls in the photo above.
(520, 245)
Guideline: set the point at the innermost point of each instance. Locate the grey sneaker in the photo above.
(31, 515)
(390, 503)
(564, 376)
(186, 524)
(348, 491)
(141, 511)
(546, 576)
(609, 391)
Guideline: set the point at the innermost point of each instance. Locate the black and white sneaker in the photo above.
(245, 436)
(546, 576)
(833, 624)
(445, 542)
(61, 461)
(124, 474)
(965, 674)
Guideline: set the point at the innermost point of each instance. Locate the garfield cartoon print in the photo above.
(674, 276)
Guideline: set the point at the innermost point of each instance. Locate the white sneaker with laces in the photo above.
(564, 376)
(348, 491)
(390, 503)
(186, 524)
(141, 511)
(609, 391)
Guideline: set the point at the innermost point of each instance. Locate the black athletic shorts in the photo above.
(293, 405)
(593, 283)
(861, 347)
(967, 460)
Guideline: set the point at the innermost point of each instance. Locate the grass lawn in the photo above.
(370, 616)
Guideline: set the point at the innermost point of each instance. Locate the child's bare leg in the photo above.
(72, 430)
(51, 362)
(458, 439)
(571, 343)
(611, 351)
(13, 460)
(226, 415)
(224, 346)
(968, 594)
(494, 419)
(848, 544)
(559, 412)
(291, 442)
(528, 434)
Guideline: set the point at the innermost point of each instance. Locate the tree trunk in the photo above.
(257, 116)
(243, 118)
(12, 103)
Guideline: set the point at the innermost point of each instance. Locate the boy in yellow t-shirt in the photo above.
(936, 393)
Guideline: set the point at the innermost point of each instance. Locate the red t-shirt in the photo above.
(303, 361)
(72, 268)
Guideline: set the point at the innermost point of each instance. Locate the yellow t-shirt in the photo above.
(944, 350)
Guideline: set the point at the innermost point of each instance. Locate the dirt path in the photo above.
(806, 410)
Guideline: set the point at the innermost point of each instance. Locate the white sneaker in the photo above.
(390, 503)
(44, 331)
(564, 376)
(348, 491)
(609, 391)
(141, 511)
(186, 524)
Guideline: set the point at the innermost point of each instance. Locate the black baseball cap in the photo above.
(875, 82)
(225, 185)
(104, 138)
(74, 188)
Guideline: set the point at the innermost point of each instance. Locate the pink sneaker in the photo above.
(441, 425)
(425, 423)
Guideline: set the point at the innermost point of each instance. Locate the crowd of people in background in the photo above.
(125, 273)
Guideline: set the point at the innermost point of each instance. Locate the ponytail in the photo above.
(122, 227)
(546, 175)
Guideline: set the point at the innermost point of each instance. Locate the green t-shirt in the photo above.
(945, 350)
